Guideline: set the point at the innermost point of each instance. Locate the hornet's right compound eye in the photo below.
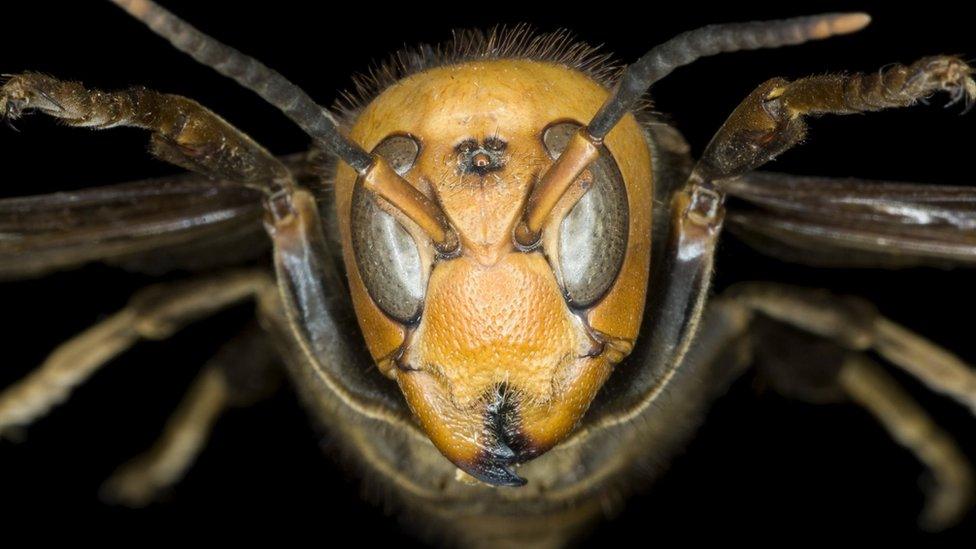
(387, 254)
(593, 236)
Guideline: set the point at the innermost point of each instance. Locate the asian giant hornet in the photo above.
(490, 218)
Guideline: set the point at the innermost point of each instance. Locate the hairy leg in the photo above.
(770, 120)
(183, 132)
(242, 372)
(811, 345)
(856, 325)
(154, 313)
(951, 494)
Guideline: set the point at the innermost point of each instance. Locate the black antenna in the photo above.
(711, 40)
(250, 73)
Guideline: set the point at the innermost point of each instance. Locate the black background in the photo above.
(762, 467)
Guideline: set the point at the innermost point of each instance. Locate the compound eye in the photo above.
(592, 237)
(387, 255)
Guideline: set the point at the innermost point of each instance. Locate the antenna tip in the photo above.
(846, 23)
(137, 8)
(818, 27)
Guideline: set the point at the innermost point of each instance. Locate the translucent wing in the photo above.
(185, 221)
(850, 222)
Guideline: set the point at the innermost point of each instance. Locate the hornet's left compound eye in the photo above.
(593, 236)
(389, 258)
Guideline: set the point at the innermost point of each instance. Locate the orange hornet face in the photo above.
(498, 350)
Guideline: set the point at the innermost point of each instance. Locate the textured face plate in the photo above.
(496, 320)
